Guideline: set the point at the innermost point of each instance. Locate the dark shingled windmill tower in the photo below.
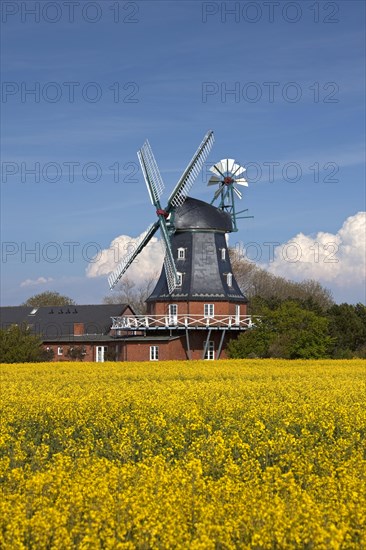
(196, 305)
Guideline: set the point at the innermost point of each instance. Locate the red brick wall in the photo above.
(89, 356)
(197, 308)
(78, 329)
(90, 349)
(140, 351)
(175, 350)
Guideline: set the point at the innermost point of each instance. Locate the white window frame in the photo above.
(181, 253)
(223, 253)
(180, 278)
(173, 314)
(210, 352)
(229, 279)
(154, 353)
(60, 350)
(209, 310)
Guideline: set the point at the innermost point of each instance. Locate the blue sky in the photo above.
(282, 85)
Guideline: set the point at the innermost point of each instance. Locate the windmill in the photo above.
(165, 221)
(196, 305)
(227, 174)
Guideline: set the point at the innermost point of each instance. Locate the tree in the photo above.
(289, 331)
(347, 325)
(19, 345)
(256, 282)
(132, 294)
(76, 353)
(49, 298)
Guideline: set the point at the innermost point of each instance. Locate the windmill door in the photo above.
(173, 314)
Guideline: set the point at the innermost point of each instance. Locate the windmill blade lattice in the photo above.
(127, 260)
(155, 187)
(181, 190)
(169, 266)
(150, 170)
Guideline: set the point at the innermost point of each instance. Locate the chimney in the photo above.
(78, 329)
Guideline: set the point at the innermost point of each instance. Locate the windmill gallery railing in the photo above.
(184, 321)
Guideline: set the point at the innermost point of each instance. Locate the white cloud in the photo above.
(338, 259)
(36, 282)
(146, 265)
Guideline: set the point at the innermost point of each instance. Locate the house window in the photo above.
(229, 279)
(173, 314)
(60, 350)
(208, 310)
(181, 253)
(210, 352)
(154, 353)
(179, 279)
(223, 253)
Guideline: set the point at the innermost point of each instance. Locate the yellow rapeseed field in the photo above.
(259, 454)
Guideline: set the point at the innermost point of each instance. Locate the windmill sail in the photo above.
(169, 267)
(181, 190)
(150, 170)
(127, 260)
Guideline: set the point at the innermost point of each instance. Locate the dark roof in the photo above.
(147, 338)
(204, 272)
(83, 339)
(196, 214)
(58, 321)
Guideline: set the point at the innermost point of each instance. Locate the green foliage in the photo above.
(48, 298)
(76, 353)
(19, 345)
(347, 326)
(288, 331)
(110, 355)
(256, 282)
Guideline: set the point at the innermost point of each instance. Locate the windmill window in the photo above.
(154, 353)
(229, 279)
(223, 253)
(210, 352)
(209, 310)
(181, 253)
(179, 279)
(173, 314)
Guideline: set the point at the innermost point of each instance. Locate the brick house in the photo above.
(62, 328)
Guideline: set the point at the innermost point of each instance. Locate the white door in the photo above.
(101, 350)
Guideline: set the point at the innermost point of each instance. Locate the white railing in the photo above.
(182, 321)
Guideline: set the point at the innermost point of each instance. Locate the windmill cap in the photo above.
(196, 214)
